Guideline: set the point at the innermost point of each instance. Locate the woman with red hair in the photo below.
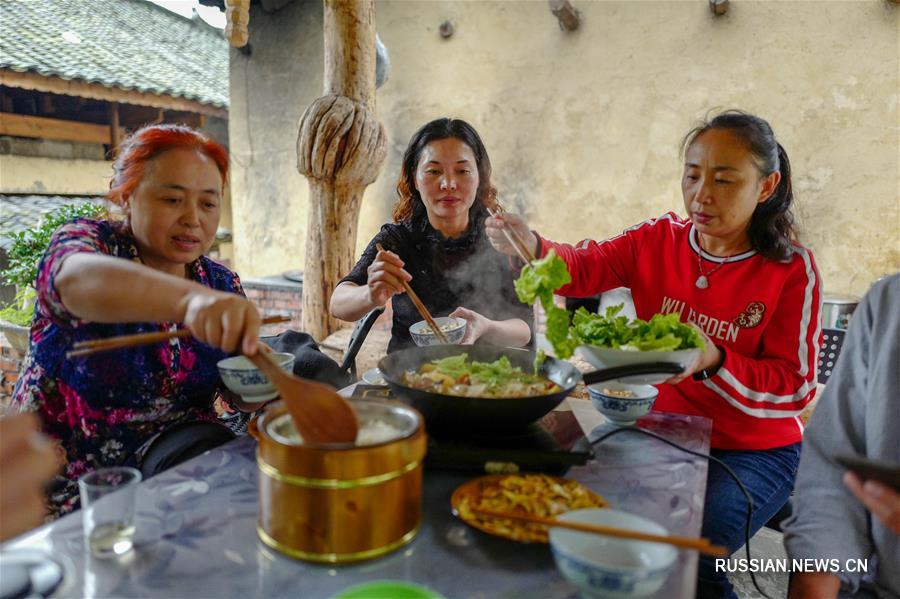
(148, 272)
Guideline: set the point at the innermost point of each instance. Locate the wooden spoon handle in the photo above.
(423, 311)
(267, 364)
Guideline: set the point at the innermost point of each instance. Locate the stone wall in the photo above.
(583, 128)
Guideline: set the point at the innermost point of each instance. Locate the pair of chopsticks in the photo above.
(419, 305)
(702, 545)
(95, 346)
(512, 235)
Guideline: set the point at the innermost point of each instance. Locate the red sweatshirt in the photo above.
(764, 314)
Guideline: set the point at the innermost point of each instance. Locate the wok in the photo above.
(466, 415)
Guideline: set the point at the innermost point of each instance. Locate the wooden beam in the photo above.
(21, 125)
(115, 129)
(95, 91)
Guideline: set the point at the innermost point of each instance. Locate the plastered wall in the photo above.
(584, 128)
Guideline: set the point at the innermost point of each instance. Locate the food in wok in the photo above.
(456, 375)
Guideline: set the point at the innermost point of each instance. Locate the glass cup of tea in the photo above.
(108, 498)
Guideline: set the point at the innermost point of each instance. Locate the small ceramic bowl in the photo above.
(241, 376)
(373, 376)
(622, 403)
(453, 328)
(602, 566)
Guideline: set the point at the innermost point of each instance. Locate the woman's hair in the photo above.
(410, 202)
(772, 229)
(147, 143)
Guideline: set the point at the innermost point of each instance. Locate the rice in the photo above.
(376, 431)
(371, 432)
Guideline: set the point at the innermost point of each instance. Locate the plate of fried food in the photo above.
(533, 494)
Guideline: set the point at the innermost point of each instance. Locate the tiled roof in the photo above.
(127, 44)
(18, 213)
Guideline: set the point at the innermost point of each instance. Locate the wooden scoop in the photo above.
(319, 413)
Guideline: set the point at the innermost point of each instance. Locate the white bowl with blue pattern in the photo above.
(610, 399)
(454, 330)
(241, 376)
(602, 566)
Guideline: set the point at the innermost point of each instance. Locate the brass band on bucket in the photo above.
(335, 558)
(332, 483)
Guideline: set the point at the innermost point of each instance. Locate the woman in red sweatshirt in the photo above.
(735, 269)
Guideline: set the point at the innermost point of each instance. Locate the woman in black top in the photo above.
(437, 243)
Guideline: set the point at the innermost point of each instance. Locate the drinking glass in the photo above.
(107, 506)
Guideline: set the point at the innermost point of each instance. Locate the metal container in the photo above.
(339, 503)
(837, 309)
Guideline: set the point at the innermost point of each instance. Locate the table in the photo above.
(197, 529)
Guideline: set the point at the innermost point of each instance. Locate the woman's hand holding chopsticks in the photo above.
(386, 277)
(509, 234)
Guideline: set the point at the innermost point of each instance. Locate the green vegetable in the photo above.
(539, 358)
(663, 332)
(493, 374)
(538, 281)
(541, 278)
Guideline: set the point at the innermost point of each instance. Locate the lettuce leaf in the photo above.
(541, 278)
(663, 332)
(538, 281)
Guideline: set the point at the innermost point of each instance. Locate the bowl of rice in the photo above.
(454, 329)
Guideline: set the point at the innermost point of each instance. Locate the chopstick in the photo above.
(513, 236)
(419, 305)
(702, 545)
(95, 346)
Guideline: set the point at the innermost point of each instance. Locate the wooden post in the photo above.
(340, 149)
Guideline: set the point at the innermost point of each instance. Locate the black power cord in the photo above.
(705, 456)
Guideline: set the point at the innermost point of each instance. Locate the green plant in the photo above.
(26, 251)
(21, 309)
(28, 246)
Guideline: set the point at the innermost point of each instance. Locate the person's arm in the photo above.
(27, 460)
(513, 332)
(79, 279)
(814, 585)
(100, 288)
(827, 521)
(351, 301)
(781, 380)
(594, 266)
